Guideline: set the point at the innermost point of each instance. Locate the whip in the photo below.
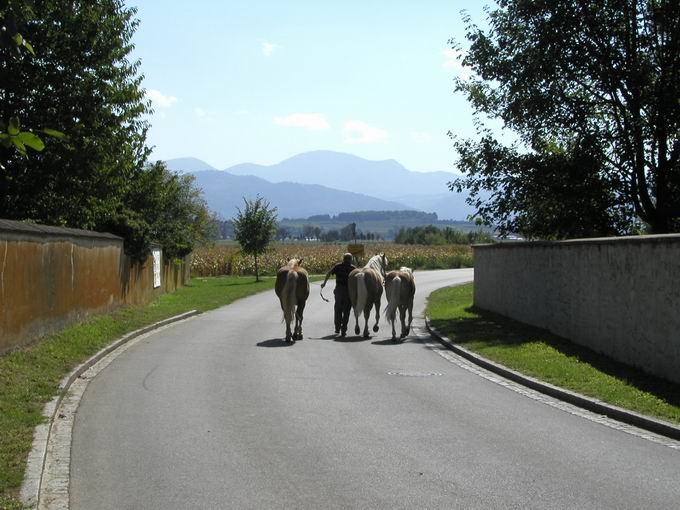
(321, 292)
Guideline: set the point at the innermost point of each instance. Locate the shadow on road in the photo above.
(350, 339)
(274, 342)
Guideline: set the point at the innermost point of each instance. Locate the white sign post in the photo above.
(156, 267)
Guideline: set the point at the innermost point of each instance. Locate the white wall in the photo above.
(617, 296)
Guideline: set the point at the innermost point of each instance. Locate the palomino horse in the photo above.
(400, 287)
(365, 290)
(292, 288)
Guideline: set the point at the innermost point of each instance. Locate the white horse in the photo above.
(400, 287)
(365, 290)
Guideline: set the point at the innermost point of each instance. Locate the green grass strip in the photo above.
(539, 354)
(30, 377)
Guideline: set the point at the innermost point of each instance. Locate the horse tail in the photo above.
(362, 295)
(393, 296)
(288, 297)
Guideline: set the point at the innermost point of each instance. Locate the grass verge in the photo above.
(30, 377)
(539, 354)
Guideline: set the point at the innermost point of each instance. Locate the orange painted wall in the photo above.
(53, 278)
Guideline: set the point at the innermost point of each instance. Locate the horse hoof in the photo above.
(367, 336)
(357, 330)
(408, 330)
(375, 328)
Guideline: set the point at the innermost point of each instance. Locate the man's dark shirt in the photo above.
(341, 272)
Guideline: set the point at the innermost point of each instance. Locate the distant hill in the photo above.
(224, 192)
(188, 165)
(388, 180)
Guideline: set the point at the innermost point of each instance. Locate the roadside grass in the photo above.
(29, 377)
(539, 354)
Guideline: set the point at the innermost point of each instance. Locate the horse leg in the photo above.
(410, 317)
(289, 335)
(367, 313)
(402, 318)
(394, 333)
(298, 319)
(377, 316)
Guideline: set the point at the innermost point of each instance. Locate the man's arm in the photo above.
(328, 275)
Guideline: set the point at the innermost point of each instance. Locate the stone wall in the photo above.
(617, 296)
(52, 276)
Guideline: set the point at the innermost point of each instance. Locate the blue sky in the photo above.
(260, 81)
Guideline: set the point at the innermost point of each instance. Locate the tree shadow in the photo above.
(496, 330)
(275, 342)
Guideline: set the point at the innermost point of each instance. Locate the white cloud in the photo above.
(357, 131)
(159, 99)
(454, 61)
(312, 121)
(268, 49)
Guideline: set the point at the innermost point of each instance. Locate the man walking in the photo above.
(341, 292)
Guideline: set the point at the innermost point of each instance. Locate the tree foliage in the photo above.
(431, 235)
(83, 84)
(13, 45)
(255, 227)
(591, 89)
(163, 208)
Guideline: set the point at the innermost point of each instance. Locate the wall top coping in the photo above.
(19, 228)
(647, 239)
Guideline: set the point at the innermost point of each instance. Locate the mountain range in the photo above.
(326, 182)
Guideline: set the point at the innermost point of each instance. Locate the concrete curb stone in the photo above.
(596, 406)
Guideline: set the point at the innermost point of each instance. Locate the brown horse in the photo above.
(365, 290)
(292, 288)
(400, 287)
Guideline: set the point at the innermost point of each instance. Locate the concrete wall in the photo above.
(617, 296)
(51, 277)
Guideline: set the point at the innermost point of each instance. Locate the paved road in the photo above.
(217, 412)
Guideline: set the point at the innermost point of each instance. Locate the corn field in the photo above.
(318, 258)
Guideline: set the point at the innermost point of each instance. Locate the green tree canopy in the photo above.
(164, 208)
(82, 82)
(591, 89)
(255, 227)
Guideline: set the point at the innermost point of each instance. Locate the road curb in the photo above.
(596, 406)
(35, 465)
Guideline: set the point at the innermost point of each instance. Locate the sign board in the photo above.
(357, 251)
(156, 252)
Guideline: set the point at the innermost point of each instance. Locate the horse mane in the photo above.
(375, 262)
(294, 263)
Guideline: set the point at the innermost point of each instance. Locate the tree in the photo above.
(254, 228)
(591, 89)
(13, 45)
(163, 208)
(82, 83)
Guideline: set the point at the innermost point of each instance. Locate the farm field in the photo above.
(319, 257)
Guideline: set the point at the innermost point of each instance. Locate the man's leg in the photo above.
(346, 309)
(338, 309)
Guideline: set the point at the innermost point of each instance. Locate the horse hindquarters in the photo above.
(361, 300)
(288, 302)
(393, 294)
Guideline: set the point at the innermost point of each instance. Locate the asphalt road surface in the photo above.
(217, 412)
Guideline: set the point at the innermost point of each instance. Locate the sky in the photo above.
(260, 81)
